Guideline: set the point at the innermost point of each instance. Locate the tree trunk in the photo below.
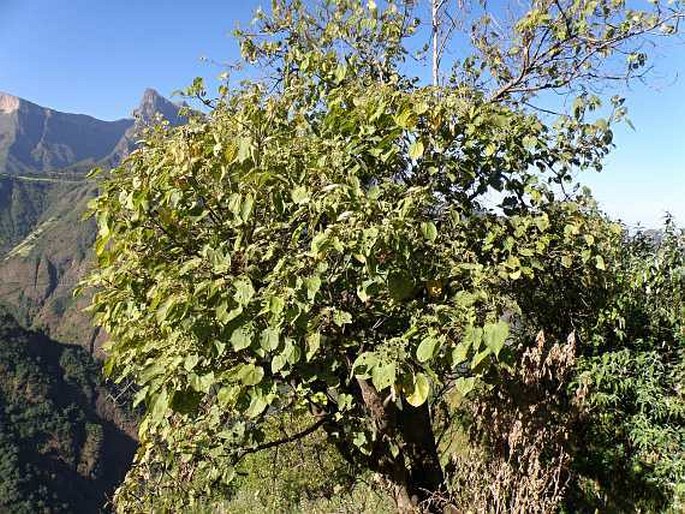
(435, 31)
(415, 471)
(425, 474)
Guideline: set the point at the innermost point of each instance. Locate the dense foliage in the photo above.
(53, 441)
(393, 258)
(633, 440)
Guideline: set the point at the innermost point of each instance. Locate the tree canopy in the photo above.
(341, 239)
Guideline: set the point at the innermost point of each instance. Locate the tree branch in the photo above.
(285, 440)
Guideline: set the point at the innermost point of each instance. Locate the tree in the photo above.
(340, 238)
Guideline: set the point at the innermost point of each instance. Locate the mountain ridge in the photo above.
(38, 139)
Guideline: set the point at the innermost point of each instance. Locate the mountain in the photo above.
(36, 139)
(44, 242)
(153, 104)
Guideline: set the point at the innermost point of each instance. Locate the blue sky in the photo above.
(97, 57)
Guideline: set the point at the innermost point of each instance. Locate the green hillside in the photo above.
(45, 254)
(60, 449)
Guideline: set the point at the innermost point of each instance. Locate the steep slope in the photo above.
(38, 274)
(21, 206)
(60, 450)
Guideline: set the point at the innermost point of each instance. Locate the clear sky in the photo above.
(98, 56)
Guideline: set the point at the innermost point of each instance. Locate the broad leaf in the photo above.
(421, 389)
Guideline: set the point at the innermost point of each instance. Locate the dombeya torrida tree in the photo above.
(338, 237)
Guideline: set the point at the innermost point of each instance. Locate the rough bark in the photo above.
(415, 472)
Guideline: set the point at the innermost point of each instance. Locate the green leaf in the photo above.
(244, 292)
(416, 150)
(340, 72)
(427, 348)
(479, 357)
(313, 344)
(292, 352)
(421, 108)
(383, 375)
(318, 242)
(312, 284)
(241, 338)
(420, 391)
(473, 337)
(250, 375)
(163, 309)
(276, 305)
(223, 315)
(246, 209)
(362, 294)
(227, 394)
(364, 364)
(219, 346)
(191, 361)
(406, 119)
(300, 195)
(429, 231)
(278, 363)
(494, 336)
(159, 405)
(465, 385)
(341, 318)
(599, 262)
(459, 354)
(244, 149)
(542, 222)
(359, 439)
(202, 383)
(269, 340)
(529, 142)
(256, 407)
(228, 475)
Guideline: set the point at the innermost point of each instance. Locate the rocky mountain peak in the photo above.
(8, 103)
(152, 104)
